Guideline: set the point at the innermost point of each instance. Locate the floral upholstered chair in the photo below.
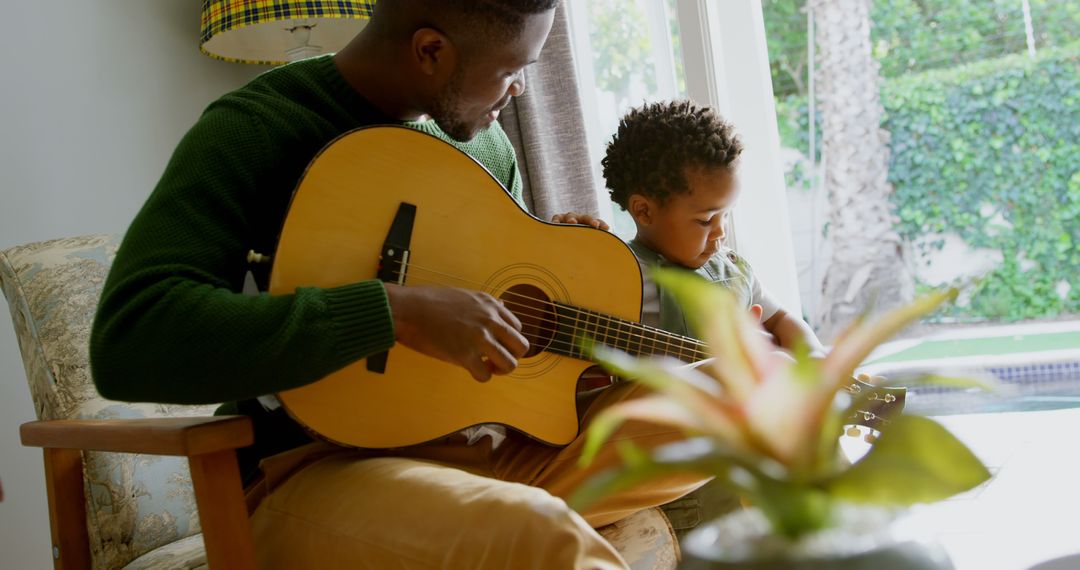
(126, 482)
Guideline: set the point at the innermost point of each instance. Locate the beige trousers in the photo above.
(451, 505)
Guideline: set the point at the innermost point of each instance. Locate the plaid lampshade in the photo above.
(276, 31)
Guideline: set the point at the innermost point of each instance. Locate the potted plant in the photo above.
(767, 426)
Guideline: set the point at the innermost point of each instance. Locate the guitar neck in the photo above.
(876, 404)
(633, 338)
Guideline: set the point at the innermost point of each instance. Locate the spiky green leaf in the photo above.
(915, 461)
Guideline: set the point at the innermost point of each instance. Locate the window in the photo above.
(982, 147)
(625, 55)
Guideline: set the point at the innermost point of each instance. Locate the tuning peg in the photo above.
(853, 431)
(870, 437)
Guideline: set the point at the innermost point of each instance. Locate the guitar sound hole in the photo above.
(536, 313)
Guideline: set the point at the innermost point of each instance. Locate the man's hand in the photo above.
(467, 328)
(581, 220)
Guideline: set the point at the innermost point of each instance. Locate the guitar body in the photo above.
(467, 232)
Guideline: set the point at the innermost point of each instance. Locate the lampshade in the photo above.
(276, 31)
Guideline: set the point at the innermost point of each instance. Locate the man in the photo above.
(173, 325)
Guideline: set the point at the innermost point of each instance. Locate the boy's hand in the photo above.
(467, 328)
(756, 311)
(581, 220)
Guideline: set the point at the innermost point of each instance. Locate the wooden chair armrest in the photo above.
(209, 444)
(157, 436)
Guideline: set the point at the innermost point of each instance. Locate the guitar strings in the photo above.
(697, 351)
(666, 343)
(698, 354)
(631, 326)
(647, 345)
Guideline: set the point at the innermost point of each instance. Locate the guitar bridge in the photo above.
(393, 264)
(394, 256)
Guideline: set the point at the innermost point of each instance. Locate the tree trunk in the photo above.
(867, 269)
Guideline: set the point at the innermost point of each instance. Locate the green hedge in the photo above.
(912, 36)
(990, 151)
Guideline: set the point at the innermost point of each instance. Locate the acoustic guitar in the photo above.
(405, 207)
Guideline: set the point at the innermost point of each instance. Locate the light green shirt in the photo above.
(725, 268)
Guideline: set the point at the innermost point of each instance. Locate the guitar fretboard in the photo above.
(633, 338)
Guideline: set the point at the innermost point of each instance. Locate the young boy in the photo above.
(672, 166)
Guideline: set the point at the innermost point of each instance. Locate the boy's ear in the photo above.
(641, 208)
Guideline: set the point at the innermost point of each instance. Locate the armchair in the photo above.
(140, 486)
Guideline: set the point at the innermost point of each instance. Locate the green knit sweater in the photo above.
(173, 325)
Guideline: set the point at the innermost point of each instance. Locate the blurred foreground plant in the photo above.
(767, 425)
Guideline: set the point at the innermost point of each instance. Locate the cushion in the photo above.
(185, 554)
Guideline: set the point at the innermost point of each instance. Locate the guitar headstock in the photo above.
(873, 405)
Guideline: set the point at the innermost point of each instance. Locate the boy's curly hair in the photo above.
(655, 143)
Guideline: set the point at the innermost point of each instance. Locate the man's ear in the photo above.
(641, 208)
(433, 52)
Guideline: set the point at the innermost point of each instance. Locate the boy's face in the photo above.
(688, 228)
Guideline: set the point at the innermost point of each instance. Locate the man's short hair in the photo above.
(480, 19)
(657, 142)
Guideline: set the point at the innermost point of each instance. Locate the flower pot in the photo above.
(861, 538)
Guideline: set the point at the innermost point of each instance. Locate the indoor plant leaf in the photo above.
(709, 411)
(916, 460)
(658, 410)
(740, 351)
(862, 337)
(741, 472)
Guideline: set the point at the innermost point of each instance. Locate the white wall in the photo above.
(94, 96)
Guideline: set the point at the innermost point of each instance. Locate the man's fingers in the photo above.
(594, 222)
(494, 360)
(498, 359)
(511, 338)
(587, 220)
(580, 219)
(479, 368)
(508, 315)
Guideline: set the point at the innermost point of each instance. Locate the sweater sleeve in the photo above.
(173, 326)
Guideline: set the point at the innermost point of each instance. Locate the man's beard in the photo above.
(445, 112)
